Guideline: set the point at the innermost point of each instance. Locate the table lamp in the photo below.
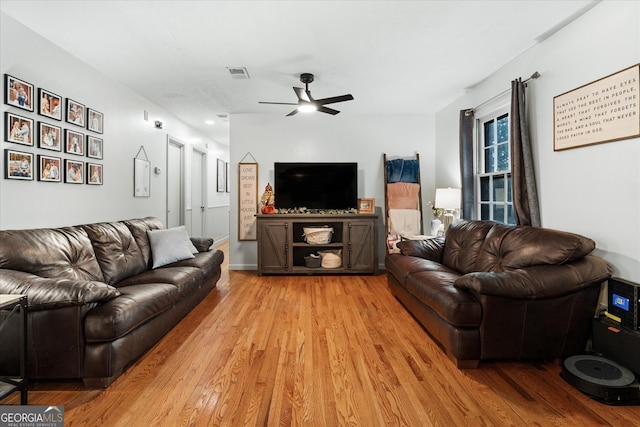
(448, 199)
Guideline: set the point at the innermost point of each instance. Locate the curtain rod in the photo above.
(469, 111)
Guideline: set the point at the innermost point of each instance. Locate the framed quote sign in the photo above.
(602, 111)
(247, 200)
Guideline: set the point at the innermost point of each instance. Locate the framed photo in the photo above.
(18, 165)
(222, 174)
(18, 93)
(73, 142)
(49, 168)
(366, 206)
(73, 172)
(94, 147)
(94, 174)
(18, 129)
(49, 137)
(75, 113)
(95, 120)
(49, 104)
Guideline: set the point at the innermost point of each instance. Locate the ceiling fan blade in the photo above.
(278, 103)
(328, 110)
(334, 99)
(303, 95)
(293, 112)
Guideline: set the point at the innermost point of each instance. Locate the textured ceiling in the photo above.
(395, 57)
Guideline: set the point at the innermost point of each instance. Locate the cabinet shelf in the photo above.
(282, 249)
(320, 247)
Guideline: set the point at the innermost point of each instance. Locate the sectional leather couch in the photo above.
(101, 295)
(489, 291)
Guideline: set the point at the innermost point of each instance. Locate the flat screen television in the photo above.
(319, 186)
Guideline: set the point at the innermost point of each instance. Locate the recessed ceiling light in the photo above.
(210, 122)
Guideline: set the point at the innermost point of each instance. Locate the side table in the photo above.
(10, 307)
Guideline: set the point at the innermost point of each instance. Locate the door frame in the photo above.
(203, 186)
(181, 146)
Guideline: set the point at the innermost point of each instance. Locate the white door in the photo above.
(175, 186)
(198, 194)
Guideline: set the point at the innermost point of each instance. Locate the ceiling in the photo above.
(394, 57)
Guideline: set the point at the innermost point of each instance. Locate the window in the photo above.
(493, 177)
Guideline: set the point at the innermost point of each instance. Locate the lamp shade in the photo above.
(448, 198)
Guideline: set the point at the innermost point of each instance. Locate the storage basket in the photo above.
(317, 235)
(312, 261)
(331, 259)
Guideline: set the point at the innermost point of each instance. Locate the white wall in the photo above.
(595, 190)
(323, 138)
(28, 204)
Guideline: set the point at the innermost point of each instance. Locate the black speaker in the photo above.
(617, 343)
(624, 301)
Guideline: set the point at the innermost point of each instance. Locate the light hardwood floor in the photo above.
(318, 351)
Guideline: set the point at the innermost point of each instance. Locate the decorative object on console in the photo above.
(367, 206)
(268, 200)
(448, 199)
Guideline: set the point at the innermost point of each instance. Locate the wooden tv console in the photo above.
(282, 248)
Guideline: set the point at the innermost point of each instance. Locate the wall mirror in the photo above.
(141, 174)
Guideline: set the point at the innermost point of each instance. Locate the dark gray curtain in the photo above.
(466, 163)
(525, 193)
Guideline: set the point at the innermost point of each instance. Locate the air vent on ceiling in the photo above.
(223, 116)
(238, 72)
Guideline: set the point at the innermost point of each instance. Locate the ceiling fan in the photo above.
(306, 103)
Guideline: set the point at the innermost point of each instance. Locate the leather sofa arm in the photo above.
(431, 249)
(538, 282)
(45, 293)
(202, 244)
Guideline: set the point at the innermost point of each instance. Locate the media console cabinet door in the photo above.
(247, 200)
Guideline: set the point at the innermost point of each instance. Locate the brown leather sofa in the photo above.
(489, 291)
(95, 305)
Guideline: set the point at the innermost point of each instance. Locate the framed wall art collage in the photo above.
(55, 125)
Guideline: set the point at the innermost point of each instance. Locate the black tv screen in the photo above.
(316, 185)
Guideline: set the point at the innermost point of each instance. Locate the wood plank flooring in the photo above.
(318, 351)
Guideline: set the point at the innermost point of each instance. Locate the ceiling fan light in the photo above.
(307, 107)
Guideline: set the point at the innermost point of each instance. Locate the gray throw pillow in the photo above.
(170, 245)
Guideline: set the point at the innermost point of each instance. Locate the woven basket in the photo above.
(317, 235)
(331, 259)
(312, 261)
